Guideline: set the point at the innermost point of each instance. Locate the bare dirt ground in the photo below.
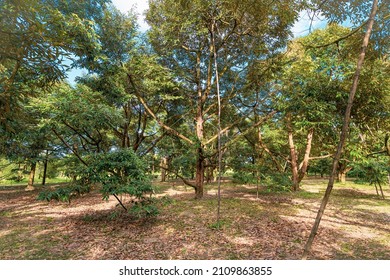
(356, 225)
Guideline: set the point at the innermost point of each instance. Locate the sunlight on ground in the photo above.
(275, 226)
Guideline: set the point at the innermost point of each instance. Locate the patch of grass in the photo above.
(364, 250)
(23, 182)
(308, 195)
(21, 244)
(88, 218)
(219, 225)
(274, 218)
(4, 213)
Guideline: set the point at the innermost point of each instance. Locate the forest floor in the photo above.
(356, 225)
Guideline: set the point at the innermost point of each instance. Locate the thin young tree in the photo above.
(344, 131)
(213, 30)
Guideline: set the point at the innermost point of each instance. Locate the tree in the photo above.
(344, 130)
(245, 32)
(311, 88)
(37, 38)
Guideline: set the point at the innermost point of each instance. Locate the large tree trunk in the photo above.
(342, 177)
(30, 185)
(343, 169)
(344, 131)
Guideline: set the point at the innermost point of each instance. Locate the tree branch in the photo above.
(150, 112)
(68, 146)
(185, 181)
(338, 39)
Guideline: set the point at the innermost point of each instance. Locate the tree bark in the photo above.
(343, 169)
(199, 177)
(293, 155)
(200, 159)
(30, 185)
(306, 158)
(164, 163)
(342, 177)
(209, 170)
(344, 131)
(45, 162)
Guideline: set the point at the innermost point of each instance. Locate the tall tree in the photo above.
(245, 32)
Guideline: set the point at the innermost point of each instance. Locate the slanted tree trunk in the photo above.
(344, 131)
(125, 128)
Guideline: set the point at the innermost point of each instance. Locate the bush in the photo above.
(64, 194)
(273, 181)
(144, 209)
(117, 172)
(277, 182)
(243, 177)
(373, 172)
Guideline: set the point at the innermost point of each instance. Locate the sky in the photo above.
(124, 6)
(301, 28)
(139, 6)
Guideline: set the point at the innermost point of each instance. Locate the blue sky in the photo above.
(301, 28)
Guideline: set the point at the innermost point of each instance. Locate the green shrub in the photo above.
(64, 194)
(372, 171)
(243, 177)
(115, 173)
(144, 209)
(279, 182)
